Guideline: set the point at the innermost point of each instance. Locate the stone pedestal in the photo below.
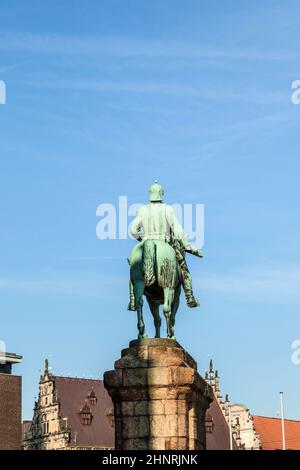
(159, 398)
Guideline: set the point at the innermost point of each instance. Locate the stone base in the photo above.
(159, 398)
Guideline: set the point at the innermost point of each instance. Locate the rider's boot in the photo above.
(131, 305)
(188, 290)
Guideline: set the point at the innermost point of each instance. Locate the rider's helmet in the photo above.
(156, 192)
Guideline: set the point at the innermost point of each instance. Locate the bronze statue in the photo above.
(157, 263)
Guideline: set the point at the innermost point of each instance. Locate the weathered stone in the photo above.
(160, 399)
(113, 378)
(159, 376)
(175, 407)
(135, 427)
(178, 443)
(135, 377)
(127, 408)
(168, 392)
(165, 356)
(164, 425)
(157, 443)
(149, 407)
(183, 375)
(136, 444)
(133, 358)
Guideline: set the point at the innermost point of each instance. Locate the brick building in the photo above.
(10, 404)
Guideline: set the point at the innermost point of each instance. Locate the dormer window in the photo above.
(110, 417)
(92, 398)
(86, 415)
(86, 418)
(209, 423)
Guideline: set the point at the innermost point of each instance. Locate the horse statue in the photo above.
(155, 273)
(157, 263)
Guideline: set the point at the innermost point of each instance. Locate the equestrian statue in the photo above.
(158, 266)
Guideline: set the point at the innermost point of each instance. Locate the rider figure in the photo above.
(157, 221)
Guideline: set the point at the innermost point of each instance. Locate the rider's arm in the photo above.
(136, 225)
(176, 227)
(179, 233)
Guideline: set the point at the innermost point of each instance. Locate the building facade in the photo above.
(244, 434)
(249, 437)
(70, 413)
(249, 432)
(217, 418)
(10, 404)
(75, 413)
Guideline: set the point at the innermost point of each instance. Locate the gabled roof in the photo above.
(72, 394)
(270, 433)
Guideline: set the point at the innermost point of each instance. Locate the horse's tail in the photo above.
(149, 262)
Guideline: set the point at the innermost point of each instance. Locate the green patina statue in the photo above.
(157, 263)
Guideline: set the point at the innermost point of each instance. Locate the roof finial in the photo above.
(211, 367)
(46, 366)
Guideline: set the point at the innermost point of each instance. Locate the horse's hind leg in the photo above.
(138, 287)
(154, 307)
(168, 300)
(175, 306)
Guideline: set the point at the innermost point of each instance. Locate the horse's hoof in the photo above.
(171, 337)
(143, 336)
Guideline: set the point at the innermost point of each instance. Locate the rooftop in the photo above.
(270, 432)
(11, 358)
(7, 360)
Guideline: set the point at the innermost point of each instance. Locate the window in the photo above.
(86, 415)
(209, 424)
(92, 398)
(86, 418)
(110, 417)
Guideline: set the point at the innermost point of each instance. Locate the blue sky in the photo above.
(103, 98)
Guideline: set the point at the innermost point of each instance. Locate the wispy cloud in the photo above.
(128, 47)
(98, 258)
(228, 134)
(257, 283)
(164, 88)
(99, 287)
(8, 68)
